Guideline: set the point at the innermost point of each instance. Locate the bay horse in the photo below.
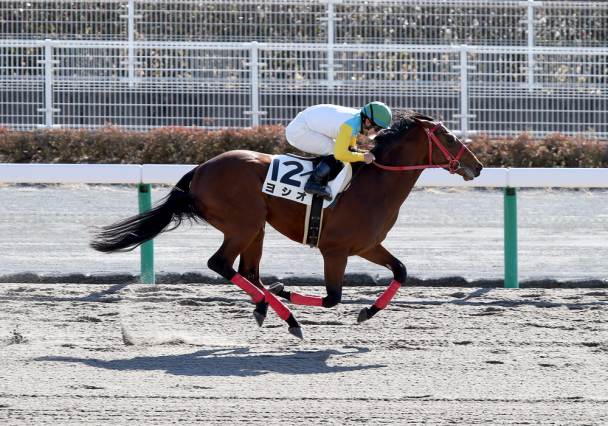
(226, 192)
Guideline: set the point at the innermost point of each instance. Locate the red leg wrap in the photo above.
(385, 298)
(300, 299)
(282, 311)
(256, 294)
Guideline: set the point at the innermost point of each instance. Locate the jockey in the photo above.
(332, 129)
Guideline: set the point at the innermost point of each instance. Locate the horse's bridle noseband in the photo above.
(452, 165)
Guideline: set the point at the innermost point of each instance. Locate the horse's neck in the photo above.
(386, 189)
(401, 183)
(400, 186)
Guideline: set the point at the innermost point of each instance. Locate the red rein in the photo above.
(452, 165)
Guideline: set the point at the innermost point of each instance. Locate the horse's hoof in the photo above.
(276, 288)
(363, 316)
(296, 331)
(260, 312)
(259, 317)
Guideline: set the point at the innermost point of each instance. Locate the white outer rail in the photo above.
(169, 174)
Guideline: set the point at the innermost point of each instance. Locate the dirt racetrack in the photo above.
(439, 233)
(76, 354)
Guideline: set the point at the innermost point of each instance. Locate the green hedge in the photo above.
(182, 145)
(166, 145)
(553, 150)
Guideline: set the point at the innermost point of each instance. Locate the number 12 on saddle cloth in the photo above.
(287, 176)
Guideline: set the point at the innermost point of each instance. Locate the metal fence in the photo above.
(498, 67)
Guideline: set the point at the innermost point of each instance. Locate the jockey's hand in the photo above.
(368, 157)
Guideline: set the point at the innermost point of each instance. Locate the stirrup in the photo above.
(317, 189)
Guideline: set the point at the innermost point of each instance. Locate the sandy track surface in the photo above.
(440, 232)
(474, 356)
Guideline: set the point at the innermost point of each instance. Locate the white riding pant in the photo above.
(299, 135)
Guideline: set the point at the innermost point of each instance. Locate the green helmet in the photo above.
(379, 113)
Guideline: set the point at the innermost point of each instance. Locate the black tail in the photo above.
(130, 233)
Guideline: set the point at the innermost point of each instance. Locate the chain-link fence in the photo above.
(499, 67)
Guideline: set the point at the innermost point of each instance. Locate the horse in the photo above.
(226, 192)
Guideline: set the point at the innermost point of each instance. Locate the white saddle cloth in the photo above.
(287, 176)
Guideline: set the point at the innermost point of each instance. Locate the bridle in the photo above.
(452, 165)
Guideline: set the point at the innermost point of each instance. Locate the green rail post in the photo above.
(510, 207)
(147, 248)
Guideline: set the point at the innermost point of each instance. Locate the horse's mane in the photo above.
(403, 122)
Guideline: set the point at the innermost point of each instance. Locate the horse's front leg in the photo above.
(335, 265)
(381, 256)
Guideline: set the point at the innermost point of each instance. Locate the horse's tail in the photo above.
(130, 233)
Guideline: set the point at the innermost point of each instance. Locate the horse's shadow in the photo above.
(228, 362)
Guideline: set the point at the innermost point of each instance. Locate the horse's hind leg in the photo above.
(335, 264)
(249, 267)
(380, 256)
(222, 261)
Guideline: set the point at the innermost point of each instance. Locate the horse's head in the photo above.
(416, 142)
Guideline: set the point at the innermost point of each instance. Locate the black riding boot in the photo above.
(317, 183)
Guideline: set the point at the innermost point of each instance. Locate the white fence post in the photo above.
(331, 39)
(464, 91)
(130, 17)
(254, 81)
(48, 83)
(531, 42)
